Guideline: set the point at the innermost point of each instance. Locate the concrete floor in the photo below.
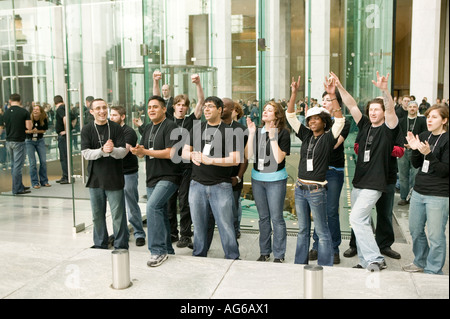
(43, 258)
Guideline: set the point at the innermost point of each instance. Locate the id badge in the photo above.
(150, 157)
(366, 156)
(309, 165)
(35, 135)
(425, 166)
(207, 149)
(260, 164)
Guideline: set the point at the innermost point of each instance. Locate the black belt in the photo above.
(310, 187)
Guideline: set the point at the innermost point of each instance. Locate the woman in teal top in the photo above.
(270, 145)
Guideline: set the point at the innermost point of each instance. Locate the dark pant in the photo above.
(384, 233)
(182, 195)
(62, 147)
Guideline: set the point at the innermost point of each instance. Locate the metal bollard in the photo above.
(313, 282)
(120, 269)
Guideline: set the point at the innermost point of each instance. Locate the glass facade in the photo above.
(243, 49)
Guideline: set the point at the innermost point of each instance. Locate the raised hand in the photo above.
(330, 85)
(382, 82)
(251, 126)
(295, 85)
(157, 75)
(337, 82)
(195, 78)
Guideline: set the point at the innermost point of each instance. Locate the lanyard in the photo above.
(434, 146)
(407, 121)
(98, 134)
(150, 140)
(315, 145)
(204, 137)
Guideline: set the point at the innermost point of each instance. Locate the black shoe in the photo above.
(390, 253)
(402, 202)
(191, 245)
(313, 254)
(278, 260)
(263, 258)
(174, 238)
(184, 242)
(23, 192)
(110, 241)
(336, 259)
(358, 266)
(352, 251)
(140, 241)
(64, 181)
(25, 188)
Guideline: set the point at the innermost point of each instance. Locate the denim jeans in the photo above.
(313, 203)
(363, 200)
(116, 200)
(39, 147)
(429, 251)
(17, 155)
(62, 148)
(407, 174)
(132, 204)
(158, 226)
(237, 210)
(335, 179)
(269, 199)
(217, 200)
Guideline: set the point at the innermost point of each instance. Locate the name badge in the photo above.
(425, 166)
(35, 135)
(366, 156)
(309, 165)
(260, 164)
(207, 149)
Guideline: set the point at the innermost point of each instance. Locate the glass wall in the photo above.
(248, 50)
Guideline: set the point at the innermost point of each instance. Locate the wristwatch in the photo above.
(238, 179)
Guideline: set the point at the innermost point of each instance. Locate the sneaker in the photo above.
(278, 260)
(263, 258)
(184, 242)
(140, 241)
(156, 260)
(412, 268)
(376, 266)
(313, 254)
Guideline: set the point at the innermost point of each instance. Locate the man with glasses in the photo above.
(103, 145)
(212, 151)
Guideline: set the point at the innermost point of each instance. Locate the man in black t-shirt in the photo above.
(213, 153)
(17, 121)
(61, 130)
(377, 136)
(163, 178)
(103, 145)
(131, 175)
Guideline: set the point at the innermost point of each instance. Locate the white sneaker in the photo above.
(156, 260)
(412, 268)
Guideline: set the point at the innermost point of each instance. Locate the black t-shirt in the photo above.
(158, 138)
(337, 156)
(185, 126)
(222, 143)
(15, 118)
(435, 181)
(130, 162)
(59, 122)
(37, 125)
(373, 174)
(262, 143)
(106, 172)
(318, 149)
(241, 134)
(416, 126)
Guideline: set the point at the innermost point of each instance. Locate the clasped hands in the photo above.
(108, 147)
(415, 144)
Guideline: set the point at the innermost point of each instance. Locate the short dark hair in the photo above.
(90, 98)
(375, 101)
(15, 97)
(58, 99)
(96, 100)
(159, 99)
(119, 109)
(217, 101)
(338, 97)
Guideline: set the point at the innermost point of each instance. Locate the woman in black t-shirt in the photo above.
(35, 143)
(429, 201)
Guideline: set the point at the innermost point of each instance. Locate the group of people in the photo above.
(199, 166)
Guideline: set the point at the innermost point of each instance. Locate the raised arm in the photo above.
(200, 96)
(157, 76)
(290, 112)
(348, 100)
(389, 105)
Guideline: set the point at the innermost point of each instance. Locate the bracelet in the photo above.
(238, 179)
(338, 110)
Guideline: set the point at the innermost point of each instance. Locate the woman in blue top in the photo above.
(270, 145)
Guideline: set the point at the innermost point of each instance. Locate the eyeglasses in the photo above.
(210, 106)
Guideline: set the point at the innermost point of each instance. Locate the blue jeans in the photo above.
(39, 147)
(269, 199)
(132, 204)
(217, 200)
(17, 155)
(313, 203)
(432, 211)
(335, 180)
(363, 201)
(116, 200)
(158, 226)
(407, 174)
